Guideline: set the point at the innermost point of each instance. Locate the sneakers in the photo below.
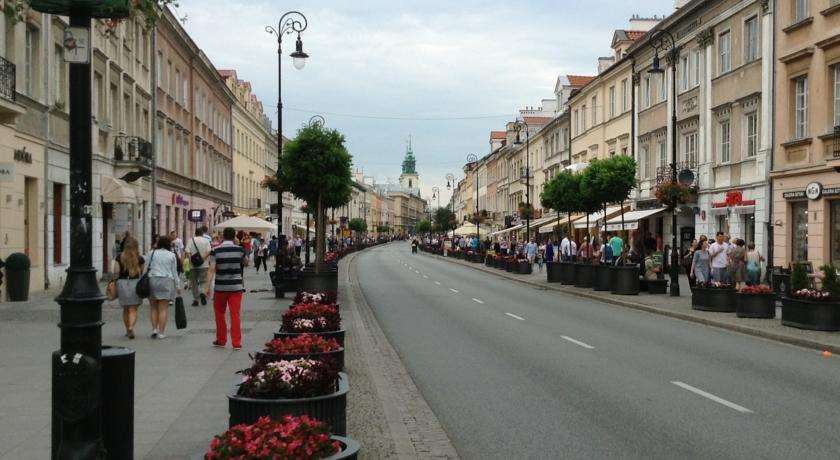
(130, 334)
(237, 347)
(161, 336)
(203, 299)
(154, 334)
(218, 345)
(195, 303)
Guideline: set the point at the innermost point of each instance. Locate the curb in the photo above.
(802, 342)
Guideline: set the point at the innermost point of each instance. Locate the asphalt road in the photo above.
(516, 372)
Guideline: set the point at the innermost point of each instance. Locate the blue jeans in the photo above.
(720, 274)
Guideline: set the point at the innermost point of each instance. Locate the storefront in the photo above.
(180, 212)
(806, 219)
(742, 214)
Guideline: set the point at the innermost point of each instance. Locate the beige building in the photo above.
(806, 186)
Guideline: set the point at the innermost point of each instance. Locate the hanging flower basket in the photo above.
(526, 211)
(272, 183)
(673, 194)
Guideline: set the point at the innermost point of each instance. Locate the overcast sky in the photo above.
(413, 61)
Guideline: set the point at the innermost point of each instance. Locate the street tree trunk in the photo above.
(320, 228)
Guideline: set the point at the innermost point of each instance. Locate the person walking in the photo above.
(617, 245)
(531, 251)
(720, 258)
(585, 251)
(701, 263)
(260, 256)
(227, 264)
(177, 244)
(128, 269)
(198, 250)
(738, 263)
(566, 249)
(298, 245)
(754, 259)
(549, 251)
(164, 284)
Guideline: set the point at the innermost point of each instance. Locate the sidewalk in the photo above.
(678, 307)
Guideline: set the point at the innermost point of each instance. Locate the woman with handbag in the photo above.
(164, 284)
(128, 269)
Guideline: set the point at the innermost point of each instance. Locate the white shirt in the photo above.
(574, 248)
(198, 243)
(162, 263)
(719, 255)
(566, 247)
(178, 246)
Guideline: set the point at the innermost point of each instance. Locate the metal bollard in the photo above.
(118, 402)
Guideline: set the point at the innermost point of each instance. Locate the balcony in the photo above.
(663, 173)
(836, 141)
(133, 156)
(9, 108)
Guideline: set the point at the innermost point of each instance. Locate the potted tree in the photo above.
(562, 195)
(813, 309)
(616, 178)
(358, 226)
(594, 186)
(715, 296)
(315, 166)
(756, 302)
(589, 203)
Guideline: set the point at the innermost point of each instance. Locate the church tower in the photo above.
(409, 179)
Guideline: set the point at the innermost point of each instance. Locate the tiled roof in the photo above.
(537, 120)
(635, 34)
(579, 80)
(498, 135)
(225, 73)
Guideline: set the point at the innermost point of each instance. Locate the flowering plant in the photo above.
(325, 298)
(299, 378)
(716, 285)
(672, 193)
(306, 343)
(291, 438)
(816, 295)
(311, 318)
(330, 257)
(761, 289)
(272, 183)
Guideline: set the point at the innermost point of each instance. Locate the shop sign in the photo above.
(23, 156)
(179, 200)
(644, 205)
(196, 215)
(813, 191)
(7, 172)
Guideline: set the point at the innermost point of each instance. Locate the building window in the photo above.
(583, 117)
(723, 141)
(612, 101)
(663, 88)
(30, 60)
(695, 72)
(159, 144)
(643, 162)
(58, 74)
(646, 92)
(158, 65)
(837, 93)
(751, 128)
(185, 95)
(724, 53)
(177, 89)
(594, 110)
(751, 39)
(749, 228)
(799, 231)
(690, 148)
(801, 10)
(663, 154)
(723, 224)
(800, 93)
(58, 217)
(623, 95)
(684, 73)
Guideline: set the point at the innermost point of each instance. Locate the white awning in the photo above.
(507, 230)
(248, 223)
(116, 191)
(631, 219)
(744, 209)
(564, 221)
(595, 217)
(718, 211)
(469, 229)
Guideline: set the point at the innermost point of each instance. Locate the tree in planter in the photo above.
(315, 166)
(562, 195)
(590, 197)
(17, 10)
(383, 229)
(358, 225)
(424, 226)
(798, 278)
(830, 281)
(445, 219)
(617, 178)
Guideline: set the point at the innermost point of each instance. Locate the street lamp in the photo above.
(472, 159)
(291, 22)
(664, 41)
(519, 126)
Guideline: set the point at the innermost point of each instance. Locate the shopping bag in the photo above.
(180, 313)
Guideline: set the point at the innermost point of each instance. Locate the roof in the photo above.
(579, 80)
(225, 73)
(537, 120)
(498, 135)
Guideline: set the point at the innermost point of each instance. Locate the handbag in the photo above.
(144, 286)
(195, 258)
(180, 313)
(111, 290)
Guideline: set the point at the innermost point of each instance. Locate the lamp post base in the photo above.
(675, 282)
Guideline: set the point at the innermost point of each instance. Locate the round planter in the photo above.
(330, 409)
(625, 280)
(552, 272)
(719, 300)
(524, 267)
(337, 335)
(489, 261)
(603, 278)
(755, 305)
(806, 314)
(584, 274)
(567, 273)
(656, 286)
(350, 449)
(337, 356)
(318, 282)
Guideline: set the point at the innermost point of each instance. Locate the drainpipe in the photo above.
(47, 35)
(770, 228)
(153, 136)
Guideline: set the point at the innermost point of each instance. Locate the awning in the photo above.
(248, 223)
(631, 219)
(718, 211)
(595, 217)
(564, 221)
(116, 191)
(508, 230)
(744, 209)
(469, 229)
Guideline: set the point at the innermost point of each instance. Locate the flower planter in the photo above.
(552, 272)
(656, 286)
(337, 356)
(625, 280)
(310, 281)
(603, 278)
(337, 335)
(717, 299)
(510, 267)
(584, 274)
(330, 409)
(807, 314)
(755, 305)
(524, 267)
(350, 449)
(489, 261)
(567, 273)
(698, 298)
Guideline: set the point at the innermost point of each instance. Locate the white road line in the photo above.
(714, 398)
(437, 282)
(515, 316)
(477, 300)
(577, 342)
(453, 290)
(425, 277)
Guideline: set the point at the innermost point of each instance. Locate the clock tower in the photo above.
(409, 179)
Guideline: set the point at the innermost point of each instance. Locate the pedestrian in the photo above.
(260, 256)
(652, 270)
(720, 258)
(754, 259)
(541, 256)
(617, 245)
(164, 284)
(585, 251)
(177, 244)
(298, 245)
(701, 263)
(566, 249)
(549, 251)
(531, 251)
(738, 263)
(128, 269)
(688, 259)
(227, 264)
(198, 250)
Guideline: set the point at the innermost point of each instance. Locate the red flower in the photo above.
(306, 343)
(311, 318)
(761, 289)
(292, 438)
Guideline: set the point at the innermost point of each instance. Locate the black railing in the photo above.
(663, 173)
(7, 79)
(837, 141)
(134, 149)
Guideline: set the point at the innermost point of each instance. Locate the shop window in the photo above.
(723, 224)
(835, 232)
(799, 231)
(749, 228)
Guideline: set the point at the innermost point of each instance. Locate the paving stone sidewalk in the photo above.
(678, 307)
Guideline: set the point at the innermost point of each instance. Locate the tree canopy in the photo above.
(317, 163)
(562, 193)
(424, 226)
(357, 225)
(445, 219)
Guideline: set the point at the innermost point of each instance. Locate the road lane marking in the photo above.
(515, 316)
(577, 342)
(453, 290)
(477, 300)
(425, 277)
(714, 398)
(417, 271)
(437, 282)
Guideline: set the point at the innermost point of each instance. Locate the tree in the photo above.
(15, 10)
(445, 219)
(358, 225)
(383, 229)
(621, 177)
(590, 197)
(562, 194)
(424, 226)
(315, 167)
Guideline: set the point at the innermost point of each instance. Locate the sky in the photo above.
(381, 71)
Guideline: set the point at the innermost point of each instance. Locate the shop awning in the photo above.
(116, 191)
(598, 216)
(469, 229)
(248, 223)
(564, 221)
(508, 230)
(631, 219)
(744, 209)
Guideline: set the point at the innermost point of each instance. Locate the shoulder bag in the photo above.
(144, 288)
(195, 258)
(180, 313)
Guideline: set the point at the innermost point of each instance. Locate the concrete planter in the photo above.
(698, 298)
(584, 275)
(552, 272)
(657, 286)
(350, 449)
(603, 278)
(807, 314)
(330, 408)
(755, 305)
(625, 280)
(524, 267)
(337, 335)
(310, 281)
(336, 356)
(716, 299)
(567, 273)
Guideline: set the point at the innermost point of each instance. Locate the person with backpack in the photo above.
(198, 249)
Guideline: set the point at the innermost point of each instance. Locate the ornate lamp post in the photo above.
(471, 158)
(662, 40)
(291, 22)
(519, 126)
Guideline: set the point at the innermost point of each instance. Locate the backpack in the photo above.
(195, 258)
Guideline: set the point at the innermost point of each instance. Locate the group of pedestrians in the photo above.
(724, 261)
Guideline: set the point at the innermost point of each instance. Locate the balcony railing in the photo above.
(133, 149)
(7, 79)
(837, 141)
(663, 173)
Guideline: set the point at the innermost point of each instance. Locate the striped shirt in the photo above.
(229, 261)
